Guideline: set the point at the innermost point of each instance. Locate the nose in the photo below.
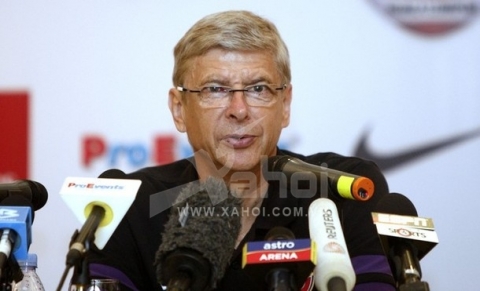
(238, 107)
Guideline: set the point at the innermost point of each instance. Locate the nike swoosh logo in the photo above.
(388, 162)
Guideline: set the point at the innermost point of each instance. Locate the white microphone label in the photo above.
(402, 226)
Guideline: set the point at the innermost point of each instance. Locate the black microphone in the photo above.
(280, 278)
(281, 262)
(343, 184)
(30, 190)
(406, 239)
(199, 237)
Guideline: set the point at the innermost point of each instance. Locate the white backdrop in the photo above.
(104, 68)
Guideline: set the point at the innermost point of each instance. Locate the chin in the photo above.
(246, 164)
(241, 160)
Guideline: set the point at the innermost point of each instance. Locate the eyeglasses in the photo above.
(261, 95)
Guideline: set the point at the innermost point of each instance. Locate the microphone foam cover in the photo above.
(38, 192)
(205, 218)
(18, 201)
(279, 233)
(40, 199)
(113, 174)
(396, 203)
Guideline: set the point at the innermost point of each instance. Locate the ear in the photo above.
(175, 103)
(287, 100)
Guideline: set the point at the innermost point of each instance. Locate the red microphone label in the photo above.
(282, 251)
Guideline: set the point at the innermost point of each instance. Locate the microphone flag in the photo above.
(418, 229)
(18, 219)
(114, 195)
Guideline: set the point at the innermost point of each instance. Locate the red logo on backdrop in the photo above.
(430, 17)
(136, 154)
(14, 130)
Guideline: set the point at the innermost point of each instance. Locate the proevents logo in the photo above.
(430, 17)
(14, 129)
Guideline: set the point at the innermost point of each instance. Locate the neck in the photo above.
(246, 184)
(251, 192)
(252, 198)
(249, 186)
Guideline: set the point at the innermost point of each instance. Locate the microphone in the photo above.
(280, 279)
(406, 239)
(334, 270)
(280, 262)
(345, 185)
(99, 203)
(16, 236)
(32, 191)
(199, 237)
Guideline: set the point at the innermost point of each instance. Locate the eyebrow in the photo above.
(224, 82)
(260, 80)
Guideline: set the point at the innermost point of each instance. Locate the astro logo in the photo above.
(162, 150)
(279, 245)
(7, 213)
(299, 250)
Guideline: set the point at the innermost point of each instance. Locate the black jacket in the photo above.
(129, 255)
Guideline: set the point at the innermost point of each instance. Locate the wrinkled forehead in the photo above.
(237, 66)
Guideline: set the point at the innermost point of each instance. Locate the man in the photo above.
(232, 96)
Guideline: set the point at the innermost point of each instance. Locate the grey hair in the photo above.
(233, 31)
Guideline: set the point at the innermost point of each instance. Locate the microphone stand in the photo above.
(77, 257)
(9, 268)
(415, 286)
(81, 275)
(281, 280)
(411, 273)
(81, 272)
(10, 273)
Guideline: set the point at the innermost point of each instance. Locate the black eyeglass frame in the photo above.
(230, 90)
